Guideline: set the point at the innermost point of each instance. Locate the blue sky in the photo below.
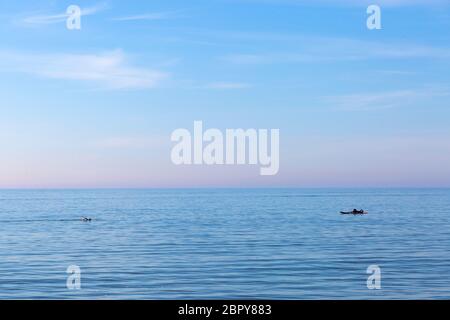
(95, 107)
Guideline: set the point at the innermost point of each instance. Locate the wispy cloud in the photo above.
(110, 70)
(325, 49)
(45, 19)
(387, 100)
(127, 142)
(146, 16)
(268, 58)
(396, 72)
(228, 85)
(386, 3)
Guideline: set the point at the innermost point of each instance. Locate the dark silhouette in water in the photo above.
(354, 211)
(85, 219)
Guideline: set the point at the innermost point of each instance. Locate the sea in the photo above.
(225, 244)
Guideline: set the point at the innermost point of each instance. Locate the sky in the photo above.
(95, 107)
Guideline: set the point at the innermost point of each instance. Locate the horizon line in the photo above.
(220, 187)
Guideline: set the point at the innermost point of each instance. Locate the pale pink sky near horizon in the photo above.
(313, 162)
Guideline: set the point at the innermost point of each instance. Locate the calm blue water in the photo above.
(262, 244)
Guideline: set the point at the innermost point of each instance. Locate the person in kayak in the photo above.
(357, 211)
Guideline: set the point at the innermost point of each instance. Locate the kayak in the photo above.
(354, 213)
